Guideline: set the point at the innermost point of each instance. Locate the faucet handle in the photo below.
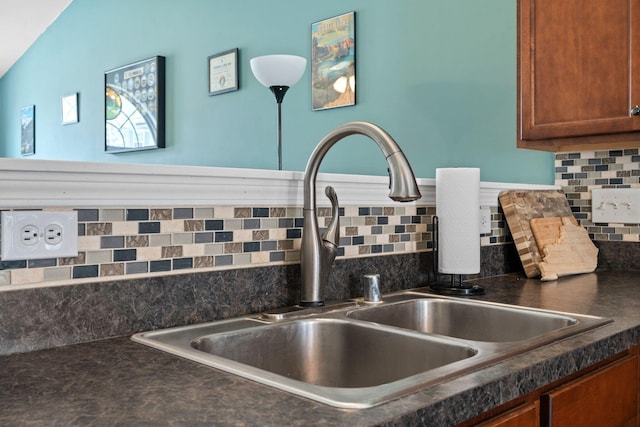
(332, 233)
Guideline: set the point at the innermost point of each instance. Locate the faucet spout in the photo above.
(318, 252)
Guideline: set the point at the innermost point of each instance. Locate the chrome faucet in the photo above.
(318, 252)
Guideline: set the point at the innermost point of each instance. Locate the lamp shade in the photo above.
(278, 70)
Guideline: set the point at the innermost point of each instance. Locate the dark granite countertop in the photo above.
(118, 382)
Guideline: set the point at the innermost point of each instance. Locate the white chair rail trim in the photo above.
(32, 183)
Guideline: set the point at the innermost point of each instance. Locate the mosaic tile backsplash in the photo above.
(121, 242)
(114, 243)
(580, 172)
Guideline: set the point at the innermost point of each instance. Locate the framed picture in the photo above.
(333, 62)
(28, 130)
(70, 109)
(223, 72)
(135, 106)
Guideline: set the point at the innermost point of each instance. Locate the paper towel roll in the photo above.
(458, 210)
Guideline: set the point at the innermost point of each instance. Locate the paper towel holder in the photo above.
(454, 286)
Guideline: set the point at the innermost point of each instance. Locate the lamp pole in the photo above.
(279, 92)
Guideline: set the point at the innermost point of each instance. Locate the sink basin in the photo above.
(364, 356)
(333, 353)
(467, 320)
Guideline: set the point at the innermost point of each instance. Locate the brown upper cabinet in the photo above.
(578, 74)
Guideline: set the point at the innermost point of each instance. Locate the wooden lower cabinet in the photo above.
(527, 415)
(608, 396)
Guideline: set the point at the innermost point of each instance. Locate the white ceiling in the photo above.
(21, 23)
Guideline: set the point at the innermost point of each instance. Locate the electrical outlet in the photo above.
(53, 234)
(39, 234)
(29, 235)
(485, 220)
(615, 205)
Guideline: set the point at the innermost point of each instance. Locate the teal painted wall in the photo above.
(439, 76)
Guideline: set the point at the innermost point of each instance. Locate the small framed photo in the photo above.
(70, 109)
(223, 72)
(333, 62)
(28, 130)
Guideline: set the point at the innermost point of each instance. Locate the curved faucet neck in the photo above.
(318, 253)
(313, 165)
(403, 186)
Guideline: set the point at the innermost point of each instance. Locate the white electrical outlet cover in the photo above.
(485, 220)
(615, 205)
(38, 234)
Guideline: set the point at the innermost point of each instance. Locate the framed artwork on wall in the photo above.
(70, 109)
(28, 130)
(135, 106)
(333, 62)
(223, 72)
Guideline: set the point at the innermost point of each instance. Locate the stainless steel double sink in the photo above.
(357, 355)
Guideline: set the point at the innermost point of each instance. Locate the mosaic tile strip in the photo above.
(122, 242)
(580, 172)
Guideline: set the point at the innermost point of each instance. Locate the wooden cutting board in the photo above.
(519, 207)
(565, 247)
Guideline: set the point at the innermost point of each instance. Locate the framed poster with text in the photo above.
(223, 72)
(333, 62)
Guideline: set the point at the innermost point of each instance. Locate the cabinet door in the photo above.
(606, 397)
(522, 416)
(576, 59)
